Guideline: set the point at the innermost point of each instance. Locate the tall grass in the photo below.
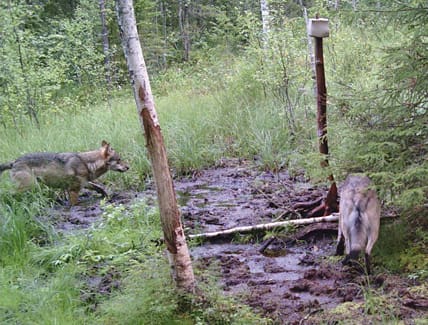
(19, 223)
(199, 128)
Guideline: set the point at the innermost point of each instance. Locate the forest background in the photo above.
(225, 85)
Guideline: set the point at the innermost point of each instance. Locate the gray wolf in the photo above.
(70, 171)
(359, 219)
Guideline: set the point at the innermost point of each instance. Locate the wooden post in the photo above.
(321, 101)
(318, 28)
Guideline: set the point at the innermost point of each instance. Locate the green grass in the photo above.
(113, 273)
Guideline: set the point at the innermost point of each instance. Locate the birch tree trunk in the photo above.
(264, 8)
(106, 45)
(310, 48)
(183, 20)
(336, 5)
(178, 253)
(164, 33)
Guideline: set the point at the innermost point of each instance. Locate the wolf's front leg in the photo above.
(340, 248)
(74, 197)
(98, 188)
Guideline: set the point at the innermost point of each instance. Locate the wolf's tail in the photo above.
(6, 166)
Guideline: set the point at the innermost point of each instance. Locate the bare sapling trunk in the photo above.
(106, 45)
(183, 19)
(266, 226)
(311, 54)
(336, 5)
(178, 253)
(264, 8)
(272, 225)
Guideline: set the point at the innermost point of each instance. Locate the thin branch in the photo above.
(268, 226)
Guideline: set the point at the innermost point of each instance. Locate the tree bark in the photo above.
(330, 203)
(106, 44)
(321, 101)
(178, 253)
(266, 226)
(264, 8)
(183, 19)
(310, 47)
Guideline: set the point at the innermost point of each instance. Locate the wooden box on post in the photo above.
(318, 27)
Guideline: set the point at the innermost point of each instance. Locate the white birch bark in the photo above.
(264, 8)
(311, 53)
(183, 20)
(334, 217)
(266, 226)
(336, 5)
(106, 45)
(178, 253)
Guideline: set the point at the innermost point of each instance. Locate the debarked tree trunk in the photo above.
(178, 253)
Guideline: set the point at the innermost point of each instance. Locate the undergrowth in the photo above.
(113, 273)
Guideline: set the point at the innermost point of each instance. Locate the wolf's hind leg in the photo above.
(370, 243)
(340, 248)
(367, 262)
(24, 179)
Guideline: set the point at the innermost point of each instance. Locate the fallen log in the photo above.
(268, 226)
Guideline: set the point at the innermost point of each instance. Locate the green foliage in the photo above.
(115, 268)
(58, 277)
(402, 247)
(379, 102)
(47, 64)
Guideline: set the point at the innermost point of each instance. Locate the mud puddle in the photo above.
(287, 287)
(294, 280)
(67, 218)
(291, 281)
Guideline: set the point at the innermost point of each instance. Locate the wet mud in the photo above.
(292, 278)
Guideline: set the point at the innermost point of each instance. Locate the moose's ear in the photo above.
(104, 143)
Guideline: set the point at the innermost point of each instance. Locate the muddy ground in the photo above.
(294, 279)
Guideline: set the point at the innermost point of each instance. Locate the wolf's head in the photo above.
(112, 158)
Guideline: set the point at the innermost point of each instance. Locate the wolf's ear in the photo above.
(105, 149)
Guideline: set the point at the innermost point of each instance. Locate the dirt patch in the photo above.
(236, 193)
(292, 278)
